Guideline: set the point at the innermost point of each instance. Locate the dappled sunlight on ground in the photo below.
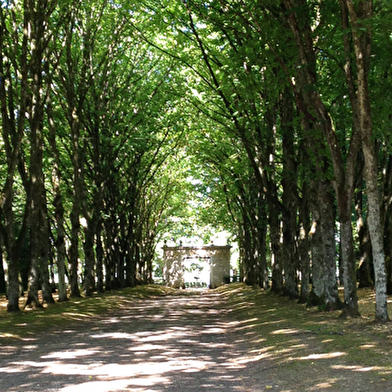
(137, 349)
(198, 341)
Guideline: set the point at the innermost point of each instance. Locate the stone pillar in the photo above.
(220, 265)
(173, 273)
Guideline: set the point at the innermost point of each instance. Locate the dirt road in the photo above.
(192, 342)
(174, 343)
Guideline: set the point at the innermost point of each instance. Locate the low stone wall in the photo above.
(174, 256)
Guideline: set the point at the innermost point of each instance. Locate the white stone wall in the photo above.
(174, 270)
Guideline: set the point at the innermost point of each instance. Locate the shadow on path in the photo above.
(176, 343)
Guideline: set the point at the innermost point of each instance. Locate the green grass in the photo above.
(300, 343)
(305, 342)
(297, 348)
(28, 322)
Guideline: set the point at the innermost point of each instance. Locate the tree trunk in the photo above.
(303, 247)
(375, 228)
(324, 285)
(99, 255)
(250, 271)
(387, 218)
(132, 264)
(362, 39)
(38, 213)
(109, 256)
(12, 132)
(263, 279)
(388, 253)
(3, 287)
(13, 280)
(74, 249)
(276, 263)
(364, 245)
(365, 268)
(89, 281)
(316, 116)
(349, 270)
(39, 231)
(61, 251)
(74, 109)
(78, 200)
(58, 205)
(289, 198)
(289, 255)
(120, 263)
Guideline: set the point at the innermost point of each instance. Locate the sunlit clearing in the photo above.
(368, 346)
(77, 316)
(326, 384)
(213, 330)
(252, 358)
(70, 354)
(9, 369)
(111, 321)
(129, 371)
(271, 322)
(8, 335)
(286, 331)
(115, 385)
(357, 368)
(260, 340)
(322, 356)
(114, 335)
(163, 337)
(145, 347)
(299, 345)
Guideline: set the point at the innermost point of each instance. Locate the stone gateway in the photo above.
(175, 263)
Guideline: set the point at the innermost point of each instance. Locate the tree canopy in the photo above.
(127, 123)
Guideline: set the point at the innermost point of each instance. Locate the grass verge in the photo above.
(305, 344)
(26, 323)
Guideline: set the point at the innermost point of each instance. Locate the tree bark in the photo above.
(39, 232)
(89, 255)
(130, 266)
(3, 287)
(310, 102)
(324, 285)
(99, 255)
(276, 262)
(303, 246)
(59, 216)
(349, 269)
(362, 39)
(289, 198)
(250, 271)
(364, 244)
(12, 131)
(74, 249)
(263, 279)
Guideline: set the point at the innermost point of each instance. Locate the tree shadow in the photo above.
(230, 339)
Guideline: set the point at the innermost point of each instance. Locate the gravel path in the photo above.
(174, 343)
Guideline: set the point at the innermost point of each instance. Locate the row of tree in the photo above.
(89, 131)
(281, 111)
(299, 92)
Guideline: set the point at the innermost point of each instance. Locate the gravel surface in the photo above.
(173, 343)
(195, 341)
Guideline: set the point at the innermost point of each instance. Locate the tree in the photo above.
(40, 31)
(14, 90)
(359, 16)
